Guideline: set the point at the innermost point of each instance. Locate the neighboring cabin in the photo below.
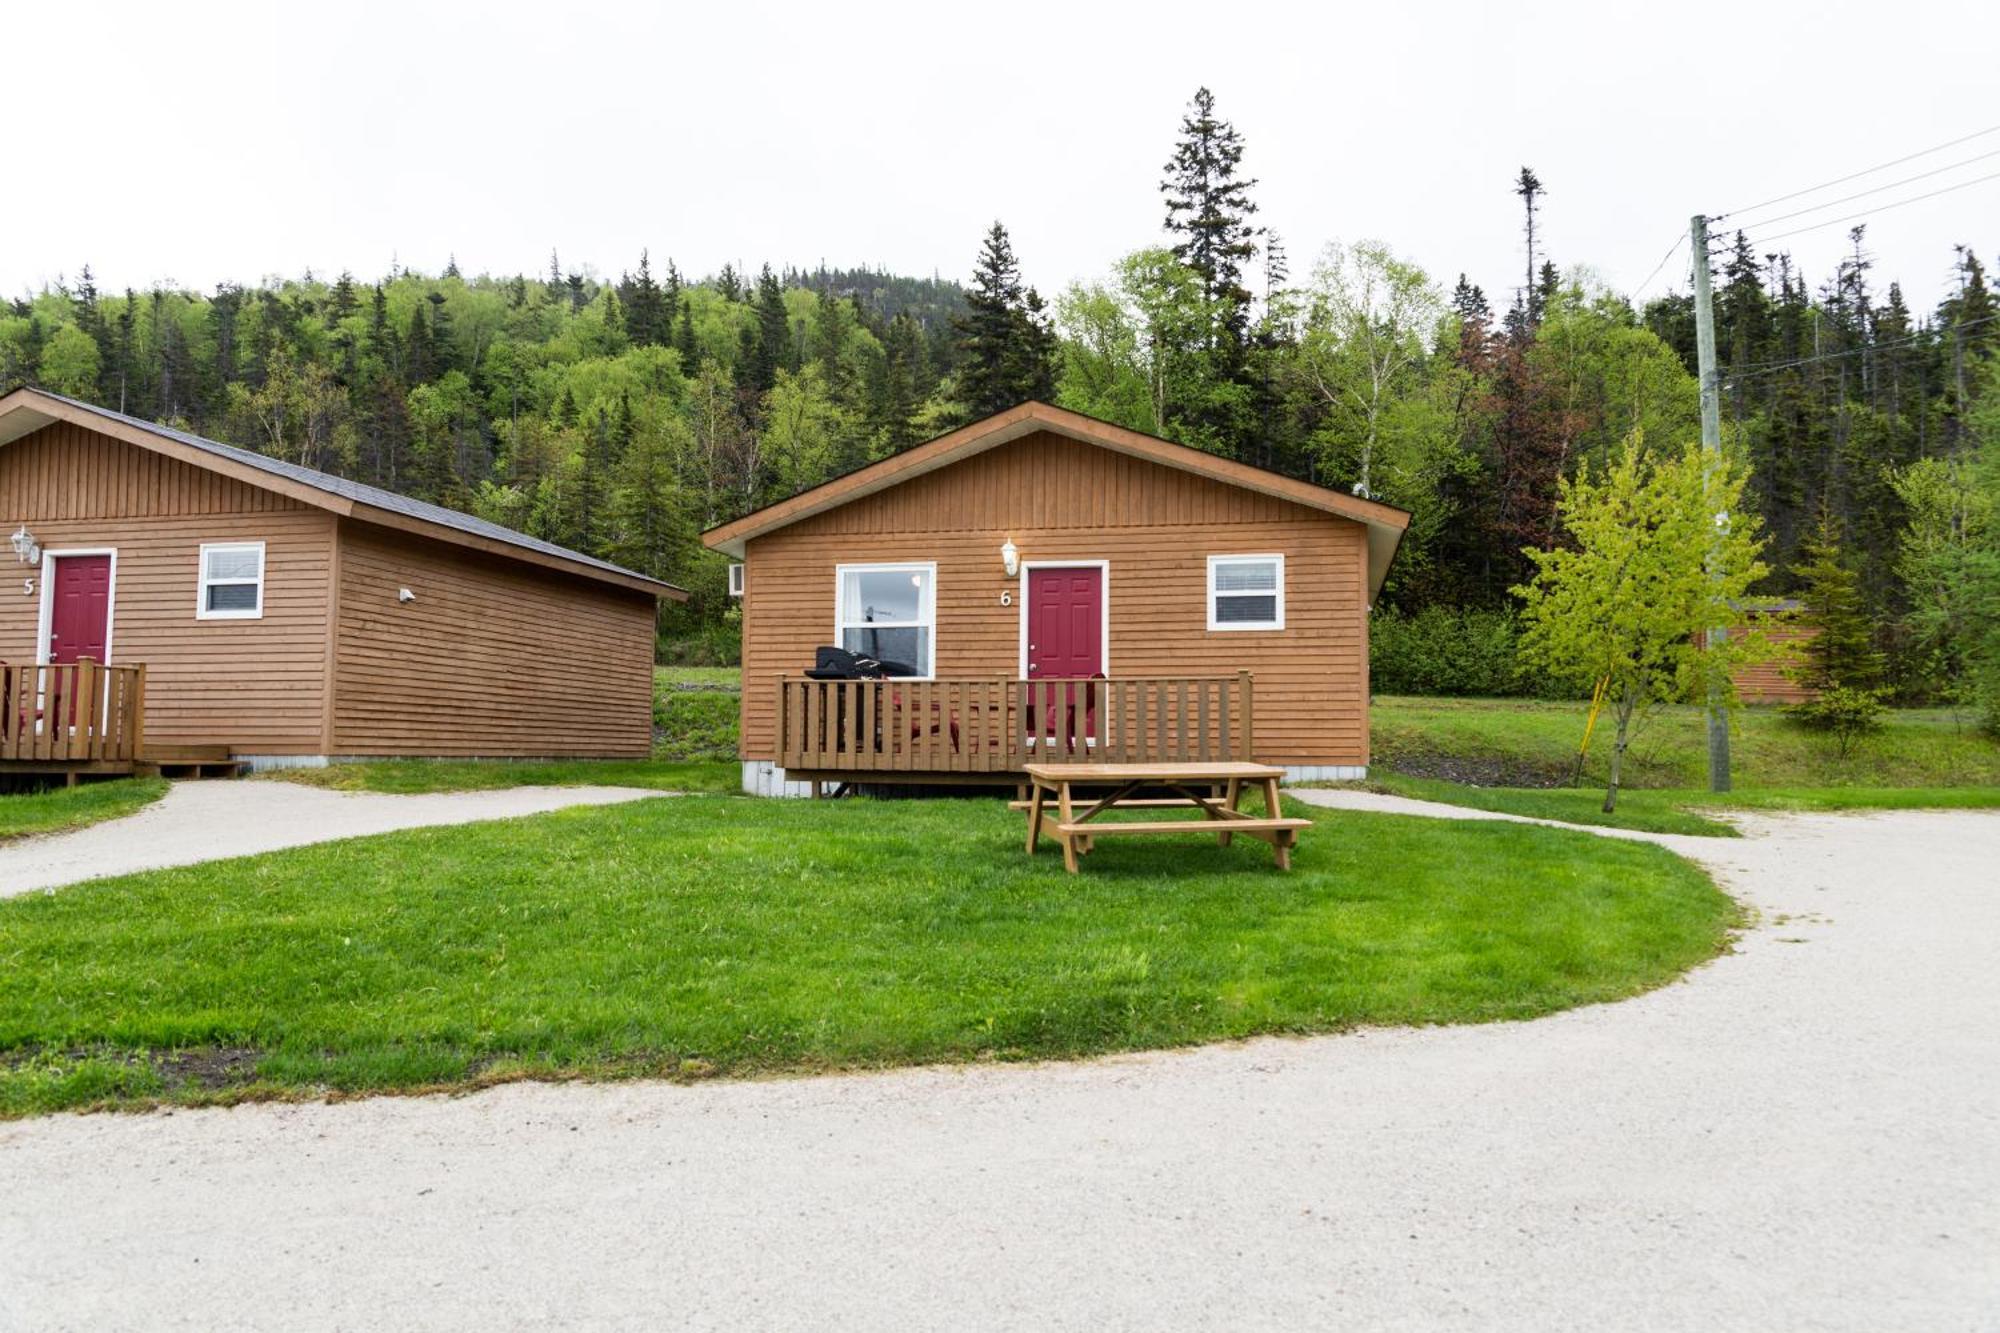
(1774, 679)
(287, 616)
(1166, 571)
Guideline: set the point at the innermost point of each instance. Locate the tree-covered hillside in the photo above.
(623, 417)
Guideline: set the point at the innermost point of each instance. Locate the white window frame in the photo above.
(46, 610)
(927, 611)
(736, 580)
(203, 583)
(1277, 623)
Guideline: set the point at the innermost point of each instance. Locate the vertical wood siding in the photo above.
(255, 685)
(1061, 499)
(493, 658)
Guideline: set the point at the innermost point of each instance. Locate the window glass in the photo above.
(1246, 610)
(232, 597)
(232, 581)
(887, 612)
(1246, 592)
(884, 596)
(234, 562)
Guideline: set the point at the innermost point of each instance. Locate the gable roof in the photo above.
(1385, 523)
(27, 410)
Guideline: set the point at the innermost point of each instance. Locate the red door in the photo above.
(80, 619)
(1065, 623)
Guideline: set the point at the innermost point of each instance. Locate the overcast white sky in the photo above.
(197, 142)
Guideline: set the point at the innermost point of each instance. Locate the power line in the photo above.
(1877, 189)
(1869, 212)
(1842, 180)
(1673, 249)
(1769, 367)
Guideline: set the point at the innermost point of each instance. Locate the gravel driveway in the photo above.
(207, 821)
(1803, 1135)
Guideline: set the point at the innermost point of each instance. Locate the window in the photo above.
(736, 580)
(232, 581)
(1246, 592)
(889, 613)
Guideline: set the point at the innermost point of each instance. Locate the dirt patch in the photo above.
(208, 1068)
(1479, 770)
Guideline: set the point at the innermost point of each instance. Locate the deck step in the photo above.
(191, 761)
(187, 754)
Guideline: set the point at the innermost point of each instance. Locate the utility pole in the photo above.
(1711, 449)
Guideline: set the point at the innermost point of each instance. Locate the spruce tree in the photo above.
(1208, 209)
(774, 333)
(646, 318)
(443, 346)
(420, 362)
(343, 302)
(684, 342)
(1529, 187)
(1006, 347)
(1841, 654)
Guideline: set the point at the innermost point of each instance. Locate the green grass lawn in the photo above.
(697, 678)
(59, 809)
(1681, 810)
(1523, 742)
(703, 936)
(1506, 754)
(1652, 811)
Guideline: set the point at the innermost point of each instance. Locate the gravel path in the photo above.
(1805, 1134)
(207, 821)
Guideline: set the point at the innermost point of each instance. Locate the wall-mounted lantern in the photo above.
(26, 549)
(1010, 558)
(405, 595)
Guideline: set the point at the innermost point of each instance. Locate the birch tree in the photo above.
(1367, 316)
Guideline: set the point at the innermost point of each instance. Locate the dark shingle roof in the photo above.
(359, 492)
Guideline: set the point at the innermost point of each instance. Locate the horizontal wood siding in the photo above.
(1770, 681)
(1061, 499)
(257, 686)
(492, 658)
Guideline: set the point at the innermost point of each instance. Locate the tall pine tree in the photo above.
(1007, 350)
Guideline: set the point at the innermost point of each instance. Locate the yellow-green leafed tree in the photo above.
(1662, 552)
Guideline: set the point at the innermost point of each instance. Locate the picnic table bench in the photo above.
(1225, 783)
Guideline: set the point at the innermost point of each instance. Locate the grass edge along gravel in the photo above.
(714, 937)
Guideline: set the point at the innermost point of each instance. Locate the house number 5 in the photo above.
(27, 587)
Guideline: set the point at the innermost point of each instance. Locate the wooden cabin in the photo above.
(1775, 679)
(1053, 588)
(178, 601)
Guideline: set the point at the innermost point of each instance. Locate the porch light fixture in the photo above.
(26, 549)
(1010, 558)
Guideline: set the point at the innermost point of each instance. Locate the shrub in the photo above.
(1842, 712)
(712, 644)
(1447, 650)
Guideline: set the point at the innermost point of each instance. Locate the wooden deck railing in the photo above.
(76, 713)
(999, 725)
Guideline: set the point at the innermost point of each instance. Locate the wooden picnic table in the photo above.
(1225, 784)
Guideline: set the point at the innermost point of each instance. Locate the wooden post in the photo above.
(1068, 815)
(1249, 719)
(82, 719)
(782, 748)
(137, 712)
